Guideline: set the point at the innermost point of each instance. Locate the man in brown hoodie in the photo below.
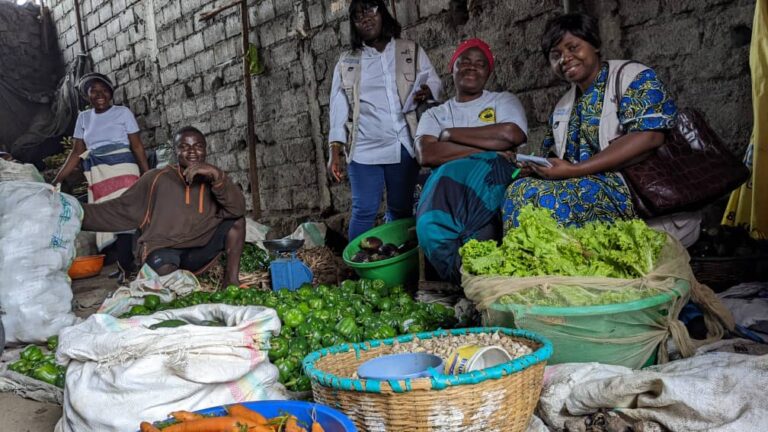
(186, 214)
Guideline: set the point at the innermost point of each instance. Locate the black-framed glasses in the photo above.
(365, 12)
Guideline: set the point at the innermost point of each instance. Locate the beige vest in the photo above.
(406, 69)
(683, 226)
(610, 128)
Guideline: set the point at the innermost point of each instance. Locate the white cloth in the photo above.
(382, 128)
(505, 107)
(109, 127)
(712, 392)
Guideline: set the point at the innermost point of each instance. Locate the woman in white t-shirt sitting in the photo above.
(106, 138)
(469, 142)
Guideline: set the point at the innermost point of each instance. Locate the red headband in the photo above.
(472, 43)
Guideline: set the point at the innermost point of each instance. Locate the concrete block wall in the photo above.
(26, 69)
(175, 70)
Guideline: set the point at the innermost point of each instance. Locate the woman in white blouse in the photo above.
(371, 87)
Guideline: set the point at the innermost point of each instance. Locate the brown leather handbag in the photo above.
(690, 170)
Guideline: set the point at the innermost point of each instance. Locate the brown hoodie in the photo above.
(168, 212)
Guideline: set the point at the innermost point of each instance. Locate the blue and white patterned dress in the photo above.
(602, 196)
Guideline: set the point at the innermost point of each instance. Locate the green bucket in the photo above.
(393, 271)
(625, 334)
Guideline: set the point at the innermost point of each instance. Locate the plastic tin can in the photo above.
(469, 358)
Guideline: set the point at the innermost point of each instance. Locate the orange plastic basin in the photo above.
(86, 266)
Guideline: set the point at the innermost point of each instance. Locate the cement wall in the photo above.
(28, 73)
(174, 70)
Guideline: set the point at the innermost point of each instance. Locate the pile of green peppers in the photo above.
(326, 315)
(35, 363)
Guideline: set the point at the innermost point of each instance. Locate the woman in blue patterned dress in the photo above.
(590, 137)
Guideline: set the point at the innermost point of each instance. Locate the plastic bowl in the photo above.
(393, 271)
(86, 266)
(330, 419)
(400, 366)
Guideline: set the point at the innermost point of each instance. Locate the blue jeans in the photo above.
(368, 183)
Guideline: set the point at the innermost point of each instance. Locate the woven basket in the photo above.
(500, 398)
(721, 273)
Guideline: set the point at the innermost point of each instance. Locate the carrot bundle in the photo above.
(239, 419)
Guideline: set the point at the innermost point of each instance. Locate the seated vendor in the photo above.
(187, 214)
(468, 141)
(584, 144)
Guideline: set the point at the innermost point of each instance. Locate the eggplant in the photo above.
(371, 244)
(388, 249)
(361, 257)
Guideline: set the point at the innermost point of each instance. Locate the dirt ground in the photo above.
(23, 415)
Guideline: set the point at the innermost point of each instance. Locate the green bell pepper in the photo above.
(152, 301)
(32, 354)
(278, 348)
(46, 373)
(293, 318)
(347, 327)
(52, 343)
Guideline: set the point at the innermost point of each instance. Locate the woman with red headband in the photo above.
(468, 141)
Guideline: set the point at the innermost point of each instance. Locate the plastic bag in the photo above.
(168, 287)
(37, 244)
(652, 328)
(14, 171)
(120, 372)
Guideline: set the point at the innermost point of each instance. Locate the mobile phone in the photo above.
(534, 159)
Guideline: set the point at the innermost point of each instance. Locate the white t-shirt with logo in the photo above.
(110, 127)
(490, 108)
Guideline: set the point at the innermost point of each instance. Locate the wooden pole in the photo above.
(394, 9)
(78, 23)
(250, 136)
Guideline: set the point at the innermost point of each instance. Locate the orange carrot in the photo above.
(316, 427)
(183, 416)
(292, 425)
(148, 427)
(248, 414)
(217, 424)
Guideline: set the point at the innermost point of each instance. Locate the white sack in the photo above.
(38, 227)
(121, 373)
(712, 392)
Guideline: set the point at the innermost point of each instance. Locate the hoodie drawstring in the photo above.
(200, 202)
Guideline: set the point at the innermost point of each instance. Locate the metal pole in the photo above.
(79, 25)
(250, 136)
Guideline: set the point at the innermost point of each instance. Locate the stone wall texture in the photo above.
(29, 69)
(174, 70)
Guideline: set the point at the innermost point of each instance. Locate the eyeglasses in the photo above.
(365, 12)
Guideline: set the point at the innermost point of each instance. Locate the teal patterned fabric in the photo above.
(645, 106)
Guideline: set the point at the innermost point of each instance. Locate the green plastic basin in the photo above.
(625, 334)
(397, 270)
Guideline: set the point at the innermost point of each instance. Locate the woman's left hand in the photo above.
(559, 170)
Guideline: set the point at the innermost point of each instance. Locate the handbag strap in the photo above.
(619, 91)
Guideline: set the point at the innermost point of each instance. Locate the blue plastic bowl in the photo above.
(400, 366)
(330, 419)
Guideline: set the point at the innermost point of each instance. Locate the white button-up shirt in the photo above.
(382, 128)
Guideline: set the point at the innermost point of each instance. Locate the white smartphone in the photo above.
(534, 159)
